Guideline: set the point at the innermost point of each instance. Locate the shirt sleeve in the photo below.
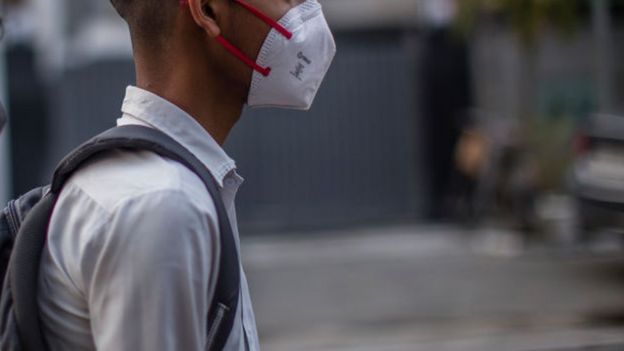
(150, 285)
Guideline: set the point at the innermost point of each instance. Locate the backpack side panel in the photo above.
(6, 241)
(9, 339)
(9, 333)
(11, 218)
(23, 273)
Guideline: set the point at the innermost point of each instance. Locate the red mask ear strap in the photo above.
(266, 19)
(265, 71)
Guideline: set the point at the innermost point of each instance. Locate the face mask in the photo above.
(293, 60)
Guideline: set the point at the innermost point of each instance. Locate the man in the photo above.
(130, 261)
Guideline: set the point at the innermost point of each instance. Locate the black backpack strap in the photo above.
(224, 305)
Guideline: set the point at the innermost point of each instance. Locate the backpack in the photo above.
(23, 232)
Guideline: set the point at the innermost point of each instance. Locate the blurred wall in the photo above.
(29, 120)
(354, 158)
(5, 174)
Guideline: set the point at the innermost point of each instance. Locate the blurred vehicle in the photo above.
(598, 175)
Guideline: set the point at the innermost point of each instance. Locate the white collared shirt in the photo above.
(132, 247)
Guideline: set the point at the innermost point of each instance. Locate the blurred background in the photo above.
(458, 184)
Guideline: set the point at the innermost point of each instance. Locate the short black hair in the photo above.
(149, 20)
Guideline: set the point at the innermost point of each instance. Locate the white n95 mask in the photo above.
(293, 60)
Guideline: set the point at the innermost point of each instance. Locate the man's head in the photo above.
(167, 32)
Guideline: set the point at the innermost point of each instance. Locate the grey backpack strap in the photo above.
(25, 276)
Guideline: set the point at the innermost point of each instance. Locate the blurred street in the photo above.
(432, 288)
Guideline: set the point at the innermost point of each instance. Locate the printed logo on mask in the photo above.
(303, 62)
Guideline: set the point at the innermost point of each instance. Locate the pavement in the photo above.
(432, 288)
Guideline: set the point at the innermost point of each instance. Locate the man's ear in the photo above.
(204, 15)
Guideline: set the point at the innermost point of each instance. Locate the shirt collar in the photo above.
(142, 107)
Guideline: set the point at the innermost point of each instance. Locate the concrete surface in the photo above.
(432, 288)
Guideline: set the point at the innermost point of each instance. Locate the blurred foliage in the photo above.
(527, 17)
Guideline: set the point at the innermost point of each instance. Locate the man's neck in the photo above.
(215, 107)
